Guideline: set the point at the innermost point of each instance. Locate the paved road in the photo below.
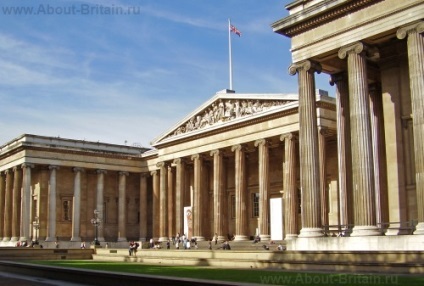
(7, 279)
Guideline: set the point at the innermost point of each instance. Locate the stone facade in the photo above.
(350, 165)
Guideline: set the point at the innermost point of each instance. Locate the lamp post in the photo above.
(36, 225)
(96, 222)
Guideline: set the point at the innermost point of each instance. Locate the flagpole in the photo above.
(230, 54)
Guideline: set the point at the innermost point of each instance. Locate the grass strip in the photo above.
(259, 276)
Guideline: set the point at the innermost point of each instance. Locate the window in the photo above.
(255, 205)
(67, 209)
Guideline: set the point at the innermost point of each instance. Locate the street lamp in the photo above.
(96, 222)
(36, 225)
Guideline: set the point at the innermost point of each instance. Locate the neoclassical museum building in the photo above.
(317, 171)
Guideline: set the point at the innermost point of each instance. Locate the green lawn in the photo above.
(250, 276)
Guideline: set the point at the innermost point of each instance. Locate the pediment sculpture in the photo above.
(225, 110)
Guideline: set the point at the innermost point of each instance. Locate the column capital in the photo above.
(261, 142)
(306, 65)
(238, 147)
(216, 152)
(196, 156)
(288, 136)
(77, 169)
(179, 161)
(154, 173)
(359, 48)
(402, 32)
(161, 164)
(123, 173)
(101, 171)
(338, 77)
(27, 165)
(145, 175)
(54, 167)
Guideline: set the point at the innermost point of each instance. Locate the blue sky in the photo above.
(81, 70)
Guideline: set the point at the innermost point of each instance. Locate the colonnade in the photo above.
(359, 138)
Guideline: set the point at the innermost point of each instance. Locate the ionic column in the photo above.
(16, 226)
(122, 206)
(76, 206)
(8, 206)
(26, 224)
(163, 201)
(156, 205)
(323, 175)
(51, 227)
(143, 207)
(2, 200)
(218, 194)
(291, 203)
(179, 195)
(361, 139)
(171, 202)
(378, 149)
(415, 43)
(264, 190)
(241, 193)
(100, 203)
(344, 158)
(308, 149)
(198, 197)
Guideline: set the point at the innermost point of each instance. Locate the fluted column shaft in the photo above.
(289, 186)
(415, 43)
(241, 193)
(361, 139)
(143, 207)
(156, 205)
(100, 203)
(179, 195)
(76, 206)
(378, 149)
(26, 202)
(51, 227)
(2, 200)
(323, 175)
(163, 201)
(122, 206)
(308, 148)
(198, 197)
(171, 202)
(218, 193)
(16, 226)
(264, 190)
(344, 158)
(8, 206)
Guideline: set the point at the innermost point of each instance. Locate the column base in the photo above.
(163, 239)
(200, 238)
(265, 237)
(365, 230)
(49, 239)
(76, 238)
(291, 236)
(122, 239)
(222, 238)
(311, 232)
(14, 238)
(419, 229)
(6, 238)
(239, 237)
(101, 239)
(142, 239)
(23, 238)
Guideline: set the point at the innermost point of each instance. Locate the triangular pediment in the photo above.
(223, 109)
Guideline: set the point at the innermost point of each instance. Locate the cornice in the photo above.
(318, 15)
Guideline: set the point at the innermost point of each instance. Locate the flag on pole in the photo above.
(234, 30)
